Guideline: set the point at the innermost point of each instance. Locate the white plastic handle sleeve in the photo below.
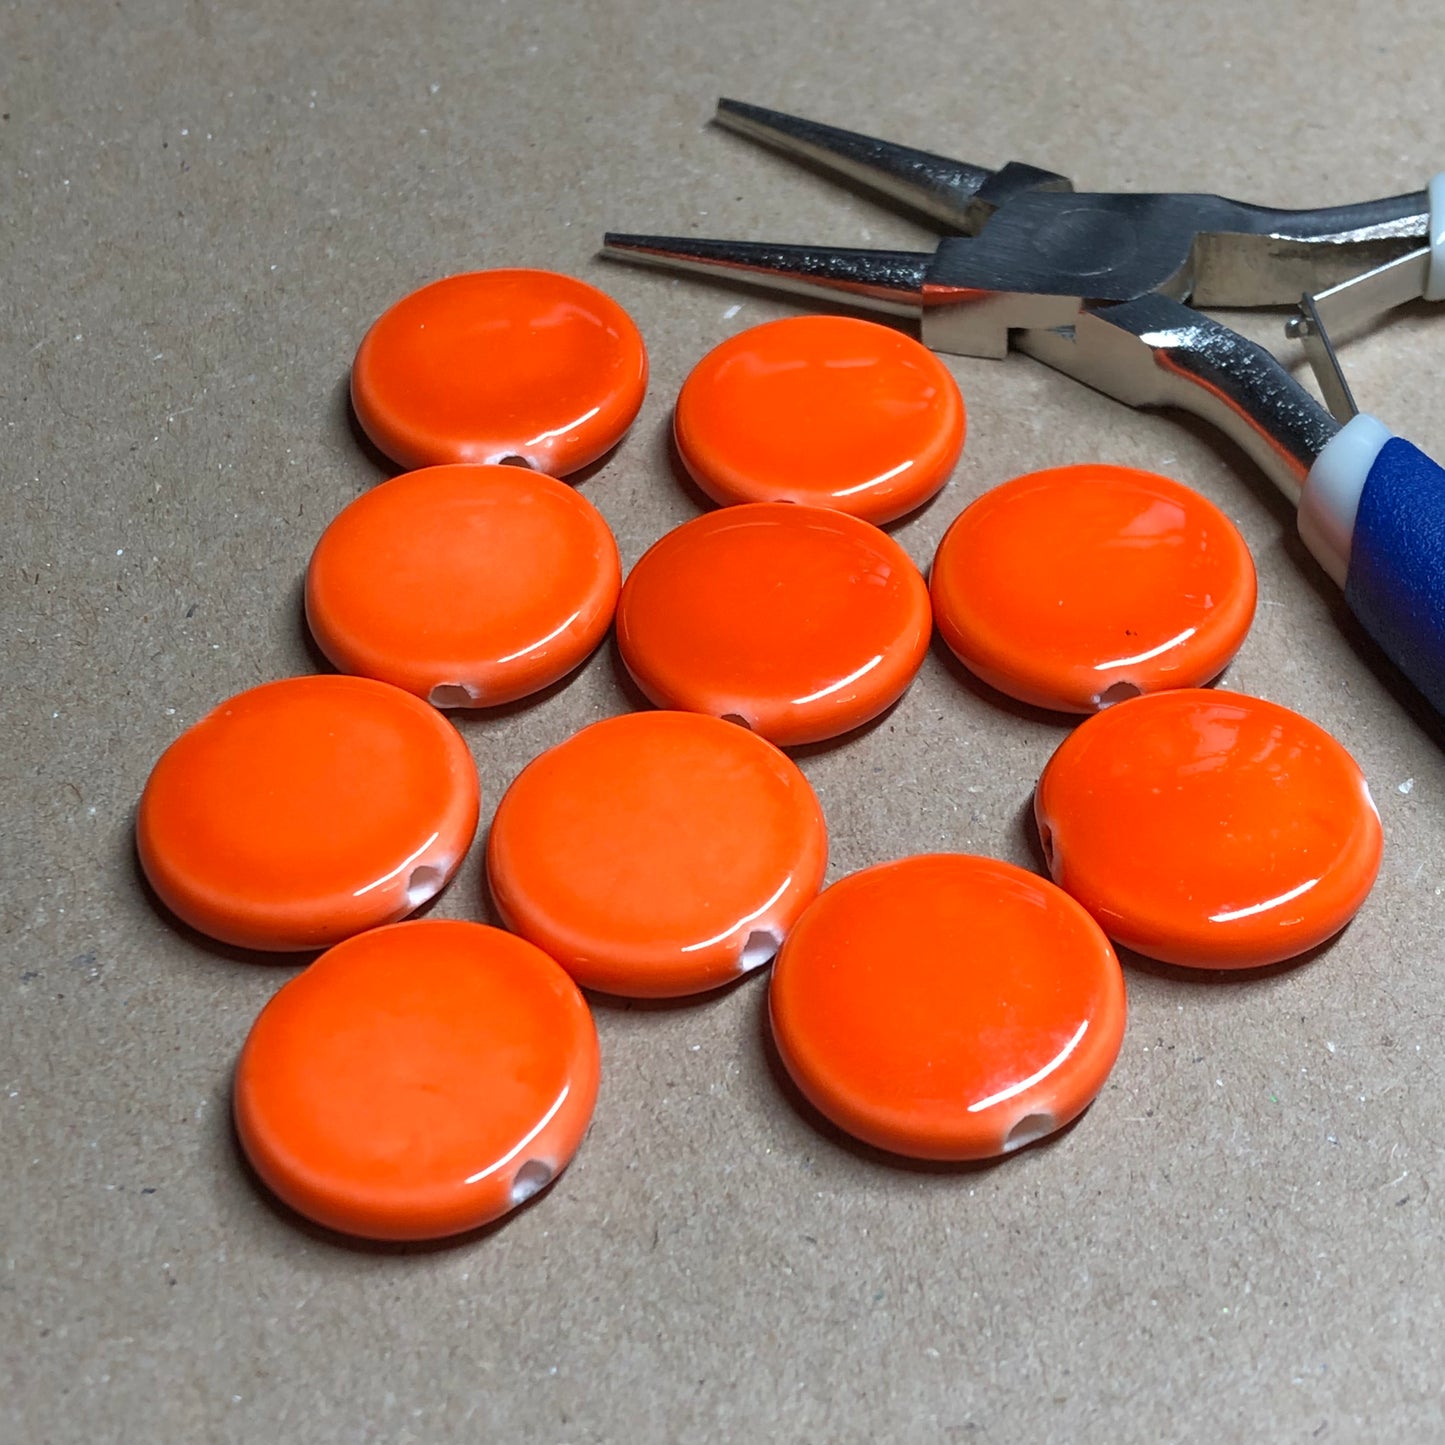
(1331, 496)
(1435, 278)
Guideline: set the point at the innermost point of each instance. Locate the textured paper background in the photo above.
(201, 209)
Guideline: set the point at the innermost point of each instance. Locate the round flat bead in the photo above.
(417, 1081)
(1209, 829)
(800, 622)
(1080, 586)
(825, 410)
(494, 365)
(657, 854)
(306, 810)
(466, 585)
(947, 1006)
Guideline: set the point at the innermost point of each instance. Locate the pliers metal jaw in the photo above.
(1104, 288)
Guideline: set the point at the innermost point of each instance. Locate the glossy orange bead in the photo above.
(825, 410)
(1209, 829)
(417, 1081)
(1075, 587)
(947, 1006)
(657, 854)
(798, 621)
(491, 365)
(303, 811)
(466, 585)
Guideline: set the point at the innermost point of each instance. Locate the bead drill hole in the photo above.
(761, 946)
(1118, 692)
(454, 694)
(533, 1176)
(1029, 1128)
(738, 718)
(514, 461)
(1046, 842)
(425, 882)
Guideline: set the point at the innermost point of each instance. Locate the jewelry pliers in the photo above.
(1104, 287)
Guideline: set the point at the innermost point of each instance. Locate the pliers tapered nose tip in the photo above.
(884, 280)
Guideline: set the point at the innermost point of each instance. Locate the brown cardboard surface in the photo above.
(201, 209)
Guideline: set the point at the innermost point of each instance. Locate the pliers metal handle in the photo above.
(1096, 285)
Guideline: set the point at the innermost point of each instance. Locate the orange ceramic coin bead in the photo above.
(492, 365)
(799, 621)
(947, 1006)
(306, 810)
(657, 854)
(1209, 829)
(826, 410)
(1075, 587)
(417, 1081)
(466, 585)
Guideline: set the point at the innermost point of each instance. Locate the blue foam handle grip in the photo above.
(1396, 579)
